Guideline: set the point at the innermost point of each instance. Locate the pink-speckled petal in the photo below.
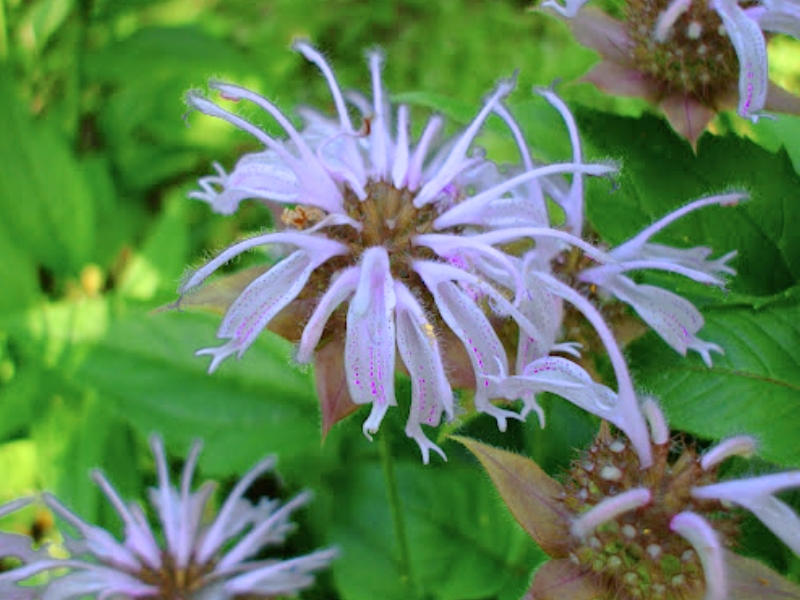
(468, 322)
(370, 343)
(751, 50)
(673, 317)
(431, 394)
(258, 304)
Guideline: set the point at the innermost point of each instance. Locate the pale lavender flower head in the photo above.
(399, 247)
(617, 529)
(197, 560)
(693, 57)
(551, 276)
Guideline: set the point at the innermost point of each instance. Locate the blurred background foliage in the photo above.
(97, 157)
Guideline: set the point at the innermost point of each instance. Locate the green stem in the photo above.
(393, 495)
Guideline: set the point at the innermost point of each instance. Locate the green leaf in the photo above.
(463, 544)
(754, 388)
(42, 20)
(18, 463)
(18, 274)
(43, 186)
(162, 256)
(659, 173)
(70, 439)
(142, 120)
(145, 366)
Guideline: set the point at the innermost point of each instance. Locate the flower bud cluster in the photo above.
(693, 53)
(637, 551)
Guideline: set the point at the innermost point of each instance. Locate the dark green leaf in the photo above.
(754, 388)
(463, 545)
(659, 173)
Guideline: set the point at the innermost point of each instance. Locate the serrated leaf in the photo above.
(461, 546)
(754, 388)
(146, 367)
(43, 187)
(659, 173)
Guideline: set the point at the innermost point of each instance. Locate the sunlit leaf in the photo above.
(146, 368)
(162, 256)
(43, 186)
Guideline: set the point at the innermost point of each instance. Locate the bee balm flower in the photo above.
(392, 251)
(198, 560)
(692, 57)
(616, 530)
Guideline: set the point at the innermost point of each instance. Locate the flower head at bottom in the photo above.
(197, 560)
(619, 531)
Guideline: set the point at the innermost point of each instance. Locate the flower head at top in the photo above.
(432, 252)
(693, 57)
(197, 560)
(618, 531)
(393, 250)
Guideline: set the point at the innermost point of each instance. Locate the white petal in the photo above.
(457, 158)
(272, 530)
(430, 390)
(474, 210)
(370, 343)
(338, 291)
(570, 381)
(258, 304)
(570, 8)
(281, 577)
(467, 321)
(756, 495)
(106, 583)
(545, 311)
(740, 445)
(780, 16)
(673, 317)
(99, 542)
(608, 509)
(222, 529)
(751, 50)
(633, 248)
(262, 175)
(319, 249)
(699, 533)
